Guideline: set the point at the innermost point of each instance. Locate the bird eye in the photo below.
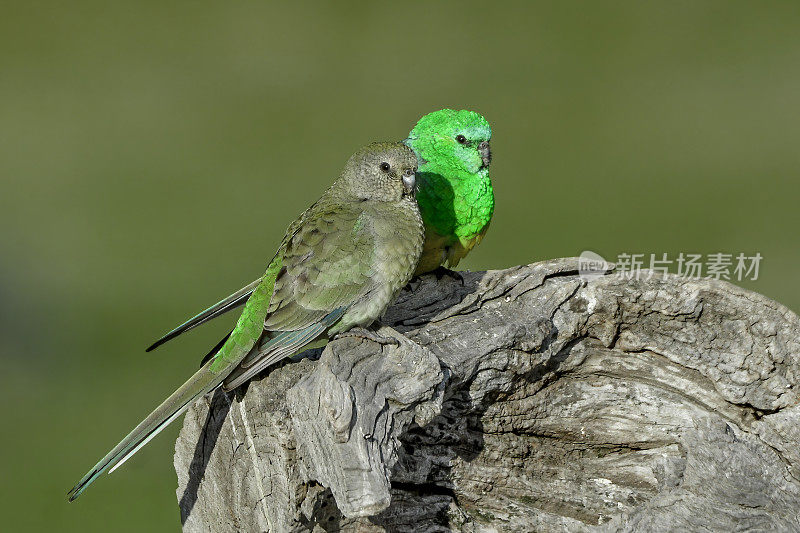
(461, 139)
(385, 166)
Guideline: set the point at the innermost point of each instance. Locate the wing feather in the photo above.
(328, 264)
(284, 344)
(223, 306)
(327, 267)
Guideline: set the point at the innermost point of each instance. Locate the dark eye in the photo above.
(385, 166)
(461, 139)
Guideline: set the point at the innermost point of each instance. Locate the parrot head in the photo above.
(453, 139)
(383, 171)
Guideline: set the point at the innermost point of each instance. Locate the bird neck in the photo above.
(461, 181)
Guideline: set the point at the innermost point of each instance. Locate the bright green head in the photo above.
(455, 141)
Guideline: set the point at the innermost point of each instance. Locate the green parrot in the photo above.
(339, 266)
(455, 198)
(455, 193)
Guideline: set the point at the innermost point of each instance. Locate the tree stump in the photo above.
(526, 399)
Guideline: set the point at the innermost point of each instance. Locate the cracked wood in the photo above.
(522, 399)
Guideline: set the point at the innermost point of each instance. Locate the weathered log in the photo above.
(527, 399)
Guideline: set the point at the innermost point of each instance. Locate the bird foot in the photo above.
(441, 272)
(363, 333)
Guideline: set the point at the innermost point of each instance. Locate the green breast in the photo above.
(456, 205)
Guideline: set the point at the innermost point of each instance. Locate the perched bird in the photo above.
(455, 198)
(339, 266)
(455, 193)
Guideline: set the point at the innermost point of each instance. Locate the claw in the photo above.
(413, 285)
(441, 272)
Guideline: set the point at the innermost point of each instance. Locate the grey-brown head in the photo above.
(382, 171)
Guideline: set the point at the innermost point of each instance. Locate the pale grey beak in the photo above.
(409, 180)
(486, 153)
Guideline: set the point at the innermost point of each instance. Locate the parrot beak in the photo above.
(486, 154)
(409, 181)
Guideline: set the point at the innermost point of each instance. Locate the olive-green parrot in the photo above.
(339, 266)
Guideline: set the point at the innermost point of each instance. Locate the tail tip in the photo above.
(81, 485)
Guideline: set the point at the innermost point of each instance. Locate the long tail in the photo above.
(199, 384)
(236, 346)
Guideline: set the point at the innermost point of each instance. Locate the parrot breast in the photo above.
(456, 212)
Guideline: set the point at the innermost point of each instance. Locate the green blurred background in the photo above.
(152, 154)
